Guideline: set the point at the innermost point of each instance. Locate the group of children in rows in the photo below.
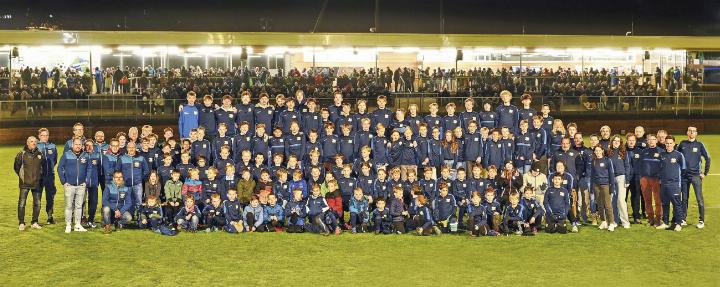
(482, 173)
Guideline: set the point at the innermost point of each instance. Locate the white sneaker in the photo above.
(678, 227)
(21, 227)
(79, 228)
(626, 226)
(36, 226)
(574, 229)
(603, 225)
(662, 226)
(611, 227)
(700, 225)
(68, 228)
(683, 223)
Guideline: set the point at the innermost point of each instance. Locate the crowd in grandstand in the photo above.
(594, 89)
(252, 166)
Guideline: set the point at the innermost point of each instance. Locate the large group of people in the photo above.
(298, 167)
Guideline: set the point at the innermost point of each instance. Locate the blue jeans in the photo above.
(191, 224)
(696, 183)
(108, 216)
(137, 192)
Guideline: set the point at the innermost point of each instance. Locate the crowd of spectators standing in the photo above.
(594, 89)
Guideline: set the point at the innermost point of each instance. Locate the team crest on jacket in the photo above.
(83, 160)
(510, 111)
(602, 164)
(527, 138)
(94, 162)
(562, 194)
(51, 151)
(656, 155)
(230, 116)
(673, 160)
(637, 155)
(39, 156)
(136, 164)
(695, 149)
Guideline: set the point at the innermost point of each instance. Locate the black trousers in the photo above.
(36, 194)
(635, 198)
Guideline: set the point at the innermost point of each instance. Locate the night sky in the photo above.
(609, 17)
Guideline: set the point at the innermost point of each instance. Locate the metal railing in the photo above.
(680, 104)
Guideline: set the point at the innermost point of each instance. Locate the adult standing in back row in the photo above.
(189, 116)
(28, 167)
(694, 151)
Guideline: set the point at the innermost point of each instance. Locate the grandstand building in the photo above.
(579, 75)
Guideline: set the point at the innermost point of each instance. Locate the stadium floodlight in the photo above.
(442, 55)
(551, 52)
(128, 48)
(516, 49)
(276, 50)
(483, 50)
(406, 50)
(70, 38)
(207, 50)
(662, 50)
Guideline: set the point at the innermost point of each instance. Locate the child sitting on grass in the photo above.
(189, 216)
(382, 221)
(214, 214)
(233, 213)
(253, 214)
(295, 213)
(477, 216)
(359, 216)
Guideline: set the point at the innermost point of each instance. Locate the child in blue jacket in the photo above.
(359, 216)
(557, 205)
(382, 221)
(189, 216)
(295, 213)
(274, 215)
(425, 225)
(477, 216)
(253, 214)
(533, 210)
(233, 213)
(214, 214)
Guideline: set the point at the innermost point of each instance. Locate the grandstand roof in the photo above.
(18, 37)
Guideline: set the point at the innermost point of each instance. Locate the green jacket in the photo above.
(173, 191)
(245, 190)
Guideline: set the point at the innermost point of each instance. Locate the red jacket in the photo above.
(334, 201)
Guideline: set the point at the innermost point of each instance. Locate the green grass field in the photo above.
(640, 255)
